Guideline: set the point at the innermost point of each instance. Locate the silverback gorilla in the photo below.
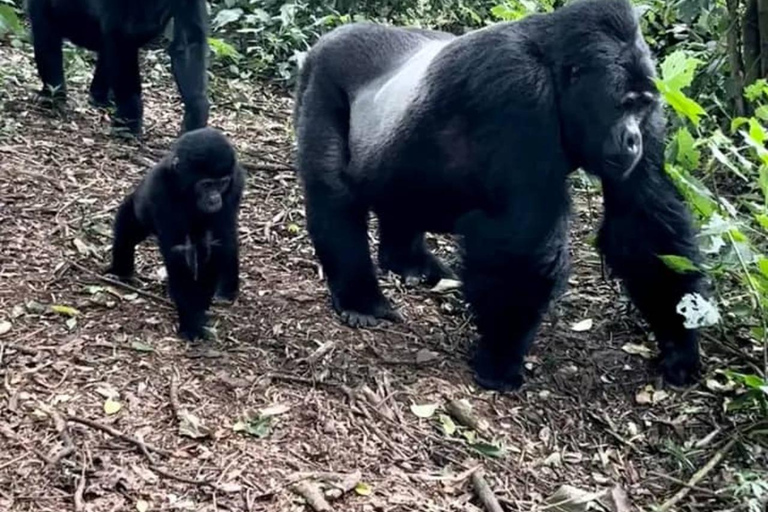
(475, 135)
(190, 201)
(116, 30)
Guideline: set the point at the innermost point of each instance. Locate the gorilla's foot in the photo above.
(417, 269)
(99, 100)
(495, 372)
(680, 368)
(366, 313)
(122, 273)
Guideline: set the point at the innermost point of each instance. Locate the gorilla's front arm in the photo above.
(189, 53)
(645, 218)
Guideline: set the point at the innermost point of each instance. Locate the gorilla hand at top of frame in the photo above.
(190, 201)
(110, 29)
(491, 123)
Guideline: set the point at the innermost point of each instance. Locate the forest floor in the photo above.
(102, 408)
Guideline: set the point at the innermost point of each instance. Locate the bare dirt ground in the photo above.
(104, 409)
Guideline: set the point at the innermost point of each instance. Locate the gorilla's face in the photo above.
(606, 100)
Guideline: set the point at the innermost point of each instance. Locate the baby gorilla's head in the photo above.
(205, 162)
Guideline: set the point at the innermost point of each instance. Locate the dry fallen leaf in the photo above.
(424, 411)
(582, 326)
(112, 406)
(191, 426)
(638, 350)
(446, 285)
(571, 499)
(142, 506)
(5, 326)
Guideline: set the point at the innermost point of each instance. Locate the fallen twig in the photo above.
(138, 443)
(312, 495)
(78, 497)
(485, 493)
(120, 284)
(462, 412)
(174, 397)
(698, 476)
(63, 431)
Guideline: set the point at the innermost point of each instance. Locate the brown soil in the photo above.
(577, 420)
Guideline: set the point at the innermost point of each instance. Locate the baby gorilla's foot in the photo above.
(495, 372)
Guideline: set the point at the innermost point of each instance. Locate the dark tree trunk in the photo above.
(751, 40)
(762, 16)
(734, 56)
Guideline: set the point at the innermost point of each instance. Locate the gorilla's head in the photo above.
(205, 163)
(606, 91)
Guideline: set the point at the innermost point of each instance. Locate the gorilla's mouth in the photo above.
(622, 165)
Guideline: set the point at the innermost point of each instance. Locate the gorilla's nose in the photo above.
(631, 140)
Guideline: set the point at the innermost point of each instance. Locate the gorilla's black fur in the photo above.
(190, 201)
(476, 135)
(116, 29)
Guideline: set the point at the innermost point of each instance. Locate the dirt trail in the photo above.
(576, 421)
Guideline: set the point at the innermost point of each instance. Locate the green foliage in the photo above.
(725, 180)
(10, 21)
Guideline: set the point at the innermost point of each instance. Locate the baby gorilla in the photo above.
(190, 202)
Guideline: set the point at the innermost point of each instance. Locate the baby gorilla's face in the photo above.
(209, 193)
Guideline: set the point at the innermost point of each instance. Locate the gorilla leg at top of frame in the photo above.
(116, 31)
(476, 135)
(190, 201)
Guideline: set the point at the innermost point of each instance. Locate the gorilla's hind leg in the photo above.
(339, 231)
(406, 254)
(129, 232)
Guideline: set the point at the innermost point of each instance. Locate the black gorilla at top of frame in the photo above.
(190, 201)
(116, 30)
(475, 135)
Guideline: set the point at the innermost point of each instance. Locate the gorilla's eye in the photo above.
(638, 100)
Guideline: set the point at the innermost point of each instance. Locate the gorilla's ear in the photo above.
(174, 162)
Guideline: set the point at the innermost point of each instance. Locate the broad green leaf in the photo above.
(424, 411)
(64, 310)
(761, 112)
(223, 50)
(763, 181)
(762, 264)
(9, 21)
(682, 104)
(737, 123)
(256, 427)
(489, 449)
(762, 219)
(756, 131)
(687, 154)
(678, 69)
(753, 91)
(679, 264)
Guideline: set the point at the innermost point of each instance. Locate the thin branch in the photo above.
(485, 493)
(78, 497)
(63, 431)
(120, 284)
(698, 476)
(138, 443)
